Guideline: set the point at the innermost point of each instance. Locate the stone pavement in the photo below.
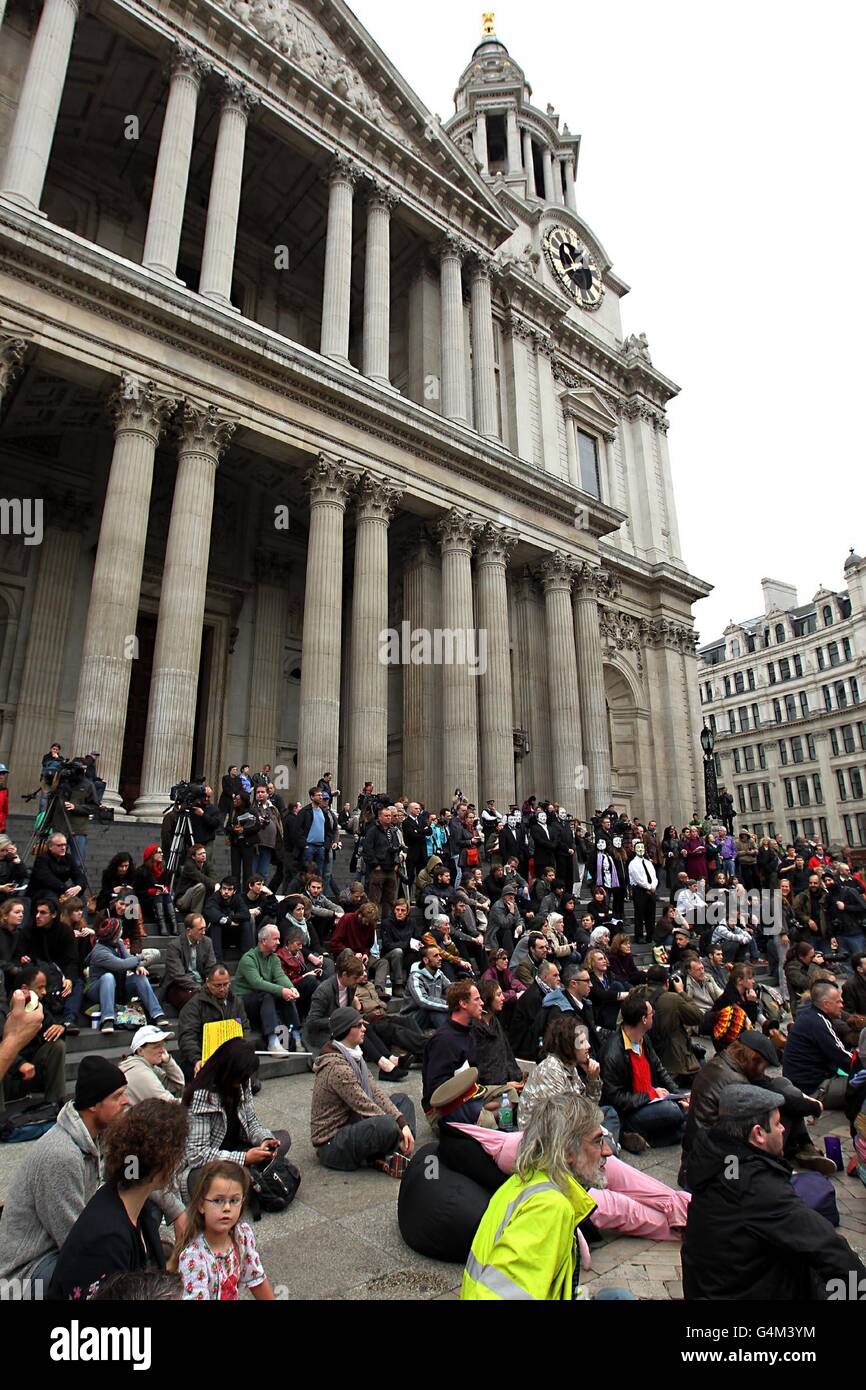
(340, 1238)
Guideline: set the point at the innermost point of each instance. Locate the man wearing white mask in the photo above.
(644, 885)
(543, 845)
(512, 842)
(565, 856)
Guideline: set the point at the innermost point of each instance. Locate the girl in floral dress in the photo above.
(217, 1257)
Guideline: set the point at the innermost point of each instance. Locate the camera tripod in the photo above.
(55, 820)
(181, 841)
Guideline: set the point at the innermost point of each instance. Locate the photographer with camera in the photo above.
(52, 761)
(196, 798)
(674, 1012)
(78, 795)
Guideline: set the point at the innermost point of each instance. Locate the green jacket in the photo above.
(525, 1246)
(260, 974)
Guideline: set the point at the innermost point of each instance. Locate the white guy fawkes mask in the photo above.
(563, 814)
(617, 841)
(602, 845)
(514, 820)
(638, 849)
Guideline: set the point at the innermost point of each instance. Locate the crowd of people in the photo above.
(491, 949)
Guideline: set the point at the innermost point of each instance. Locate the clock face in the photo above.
(574, 266)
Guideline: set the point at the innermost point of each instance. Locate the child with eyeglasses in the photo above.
(216, 1256)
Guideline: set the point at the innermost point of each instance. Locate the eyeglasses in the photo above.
(232, 1202)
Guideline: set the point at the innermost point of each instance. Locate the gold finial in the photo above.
(489, 24)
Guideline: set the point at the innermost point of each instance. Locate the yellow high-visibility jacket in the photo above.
(525, 1246)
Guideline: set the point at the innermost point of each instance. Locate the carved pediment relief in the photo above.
(591, 408)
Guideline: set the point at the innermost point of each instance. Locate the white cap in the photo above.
(148, 1034)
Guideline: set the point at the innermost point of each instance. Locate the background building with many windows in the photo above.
(785, 695)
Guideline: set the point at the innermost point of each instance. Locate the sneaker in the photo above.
(815, 1162)
(107, 1026)
(276, 1049)
(394, 1165)
(160, 1022)
(633, 1143)
(72, 1028)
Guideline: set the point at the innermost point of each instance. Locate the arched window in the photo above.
(827, 614)
(780, 632)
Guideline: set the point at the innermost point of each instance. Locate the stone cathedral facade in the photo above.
(288, 363)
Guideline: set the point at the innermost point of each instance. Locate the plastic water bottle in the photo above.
(506, 1113)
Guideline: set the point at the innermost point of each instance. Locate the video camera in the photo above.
(188, 793)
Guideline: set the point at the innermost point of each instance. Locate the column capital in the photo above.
(381, 194)
(453, 247)
(185, 61)
(495, 544)
(203, 429)
(457, 531)
(481, 265)
(330, 480)
(142, 406)
(377, 498)
(238, 96)
(595, 583)
(517, 327)
(342, 169)
(557, 572)
(543, 342)
(12, 353)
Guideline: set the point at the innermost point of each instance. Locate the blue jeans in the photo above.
(661, 1123)
(72, 1004)
(852, 942)
(317, 854)
(79, 849)
(262, 861)
(105, 989)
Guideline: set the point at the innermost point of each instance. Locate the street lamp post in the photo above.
(711, 786)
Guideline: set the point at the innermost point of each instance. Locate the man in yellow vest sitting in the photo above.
(525, 1247)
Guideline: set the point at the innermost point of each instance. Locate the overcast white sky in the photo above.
(721, 167)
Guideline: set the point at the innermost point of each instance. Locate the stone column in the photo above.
(451, 252)
(336, 299)
(422, 681)
(168, 199)
(224, 200)
(368, 660)
(457, 533)
(483, 354)
(591, 585)
(570, 189)
(528, 164)
(140, 410)
(549, 186)
(513, 137)
(32, 135)
(204, 435)
(12, 354)
(330, 482)
(425, 337)
(481, 140)
(377, 285)
(497, 710)
(44, 664)
(569, 777)
(266, 673)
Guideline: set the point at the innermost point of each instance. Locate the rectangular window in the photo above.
(777, 711)
(741, 798)
(587, 448)
(833, 653)
(784, 669)
(771, 667)
(768, 796)
(841, 695)
(732, 721)
(818, 789)
(843, 790)
(804, 705)
(790, 707)
(834, 741)
(709, 689)
(846, 648)
(771, 828)
(750, 675)
(750, 642)
(861, 729)
(798, 666)
(728, 690)
(792, 826)
(797, 750)
(856, 783)
(803, 793)
(749, 757)
(744, 718)
(762, 755)
(848, 738)
(861, 827)
(783, 752)
(855, 691)
(849, 829)
(821, 659)
(739, 682)
(756, 718)
(810, 747)
(808, 827)
(754, 797)
(717, 763)
(825, 834)
(737, 767)
(789, 792)
(713, 724)
(828, 698)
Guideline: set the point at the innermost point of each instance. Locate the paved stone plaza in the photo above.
(340, 1238)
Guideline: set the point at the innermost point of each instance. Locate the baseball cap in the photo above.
(148, 1034)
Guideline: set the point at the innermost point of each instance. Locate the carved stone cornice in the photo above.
(663, 632)
(377, 499)
(543, 343)
(622, 632)
(204, 429)
(634, 409)
(457, 531)
(12, 354)
(517, 327)
(330, 480)
(495, 544)
(557, 572)
(141, 406)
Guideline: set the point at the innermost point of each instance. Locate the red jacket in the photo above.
(352, 934)
(4, 809)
